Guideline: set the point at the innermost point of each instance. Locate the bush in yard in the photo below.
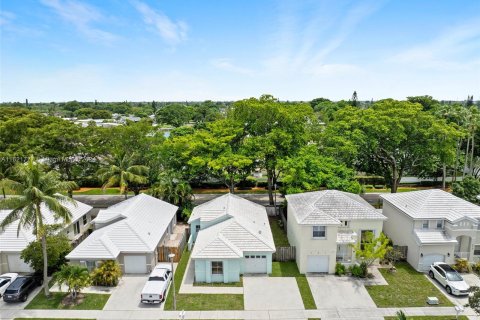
(476, 267)
(474, 299)
(107, 274)
(58, 246)
(339, 269)
(462, 265)
(75, 278)
(359, 270)
(401, 315)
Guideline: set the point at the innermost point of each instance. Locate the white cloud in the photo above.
(227, 64)
(172, 32)
(82, 16)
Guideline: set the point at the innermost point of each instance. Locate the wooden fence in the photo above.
(284, 254)
(177, 249)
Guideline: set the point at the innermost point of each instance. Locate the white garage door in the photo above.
(16, 264)
(255, 264)
(317, 264)
(135, 264)
(428, 259)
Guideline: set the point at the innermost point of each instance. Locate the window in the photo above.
(76, 227)
(85, 220)
(476, 250)
(366, 236)
(319, 232)
(90, 265)
(197, 228)
(217, 267)
(439, 224)
(425, 224)
(344, 223)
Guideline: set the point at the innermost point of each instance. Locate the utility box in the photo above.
(432, 300)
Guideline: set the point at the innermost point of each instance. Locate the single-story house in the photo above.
(434, 224)
(129, 232)
(12, 244)
(230, 236)
(323, 226)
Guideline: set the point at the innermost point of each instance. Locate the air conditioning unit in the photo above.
(432, 300)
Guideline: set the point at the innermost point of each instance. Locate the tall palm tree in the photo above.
(34, 187)
(121, 172)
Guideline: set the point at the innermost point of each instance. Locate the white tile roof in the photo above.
(433, 204)
(329, 207)
(10, 242)
(144, 222)
(246, 229)
(433, 237)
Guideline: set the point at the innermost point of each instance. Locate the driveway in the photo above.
(339, 292)
(271, 293)
(470, 278)
(126, 295)
(19, 305)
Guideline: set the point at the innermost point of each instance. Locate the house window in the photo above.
(217, 267)
(197, 228)
(76, 228)
(344, 223)
(85, 220)
(90, 265)
(439, 224)
(366, 236)
(425, 224)
(476, 250)
(319, 232)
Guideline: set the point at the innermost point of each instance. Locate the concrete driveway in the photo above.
(271, 293)
(19, 305)
(339, 292)
(126, 295)
(470, 278)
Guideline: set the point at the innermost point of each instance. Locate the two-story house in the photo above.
(14, 239)
(434, 224)
(324, 225)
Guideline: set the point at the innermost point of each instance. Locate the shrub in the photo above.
(476, 266)
(359, 270)
(248, 183)
(339, 269)
(107, 274)
(462, 265)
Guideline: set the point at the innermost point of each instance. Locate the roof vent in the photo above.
(259, 231)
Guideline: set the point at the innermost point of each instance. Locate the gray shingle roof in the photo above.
(432, 204)
(329, 207)
(246, 228)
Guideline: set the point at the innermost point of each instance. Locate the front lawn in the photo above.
(430, 318)
(91, 301)
(199, 301)
(306, 293)
(279, 235)
(406, 288)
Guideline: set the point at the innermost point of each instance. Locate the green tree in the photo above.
(58, 246)
(474, 299)
(427, 102)
(310, 171)
(173, 114)
(34, 187)
(171, 188)
(370, 248)
(121, 172)
(468, 189)
(107, 274)
(74, 277)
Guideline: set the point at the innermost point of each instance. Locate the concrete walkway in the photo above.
(324, 314)
(188, 287)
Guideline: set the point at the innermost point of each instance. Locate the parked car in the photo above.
(155, 289)
(5, 280)
(449, 278)
(21, 287)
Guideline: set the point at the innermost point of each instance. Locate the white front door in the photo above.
(317, 263)
(135, 264)
(16, 264)
(255, 263)
(428, 259)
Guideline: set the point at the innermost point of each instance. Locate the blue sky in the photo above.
(143, 50)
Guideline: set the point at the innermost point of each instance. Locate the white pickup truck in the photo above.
(155, 289)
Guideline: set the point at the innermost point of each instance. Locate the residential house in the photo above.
(434, 224)
(230, 236)
(129, 232)
(13, 240)
(323, 226)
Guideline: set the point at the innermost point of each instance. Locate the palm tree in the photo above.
(75, 277)
(172, 189)
(120, 172)
(35, 187)
(401, 315)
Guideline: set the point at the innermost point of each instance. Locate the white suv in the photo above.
(449, 278)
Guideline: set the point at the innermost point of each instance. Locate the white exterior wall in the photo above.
(358, 225)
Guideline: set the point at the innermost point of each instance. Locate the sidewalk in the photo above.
(324, 314)
(188, 287)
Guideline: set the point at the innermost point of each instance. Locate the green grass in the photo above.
(306, 293)
(430, 318)
(91, 302)
(199, 301)
(406, 288)
(223, 191)
(219, 284)
(99, 191)
(285, 269)
(51, 319)
(290, 269)
(279, 235)
(388, 190)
